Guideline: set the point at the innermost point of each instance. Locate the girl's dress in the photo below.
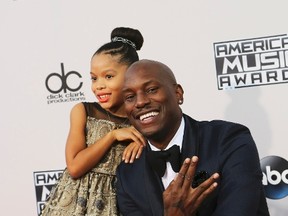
(94, 193)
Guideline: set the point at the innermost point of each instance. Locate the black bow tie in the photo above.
(158, 159)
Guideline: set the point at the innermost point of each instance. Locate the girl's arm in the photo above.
(80, 158)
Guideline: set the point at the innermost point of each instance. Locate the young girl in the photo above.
(99, 133)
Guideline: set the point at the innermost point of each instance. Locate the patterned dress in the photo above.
(93, 193)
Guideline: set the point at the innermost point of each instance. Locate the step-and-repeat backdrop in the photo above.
(230, 56)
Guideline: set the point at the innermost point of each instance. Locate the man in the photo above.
(152, 97)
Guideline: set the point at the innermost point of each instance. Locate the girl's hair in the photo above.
(124, 46)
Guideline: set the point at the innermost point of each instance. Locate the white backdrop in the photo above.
(37, 36)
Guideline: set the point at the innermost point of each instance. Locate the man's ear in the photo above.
(179, 93)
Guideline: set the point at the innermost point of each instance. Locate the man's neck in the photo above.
(164, 140)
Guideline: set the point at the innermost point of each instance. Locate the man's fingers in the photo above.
(207, 187)
(204, 194)
(181, 175)
(189, 175)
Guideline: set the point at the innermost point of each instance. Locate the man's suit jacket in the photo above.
(223, 147)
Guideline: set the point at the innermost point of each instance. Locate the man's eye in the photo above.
(151, 90)
(93, 78)
(129, 98)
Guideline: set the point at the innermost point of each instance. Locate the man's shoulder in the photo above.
(217, 123)
(130, 167)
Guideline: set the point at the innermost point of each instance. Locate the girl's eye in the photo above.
(109, 76)
(93, 78)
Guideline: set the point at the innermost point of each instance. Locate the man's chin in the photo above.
(146, 130)
(147, 133)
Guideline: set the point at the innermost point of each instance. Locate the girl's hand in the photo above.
(137, 142)
(129, 134)
(132, 151)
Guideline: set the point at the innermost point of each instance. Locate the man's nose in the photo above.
(142, 100)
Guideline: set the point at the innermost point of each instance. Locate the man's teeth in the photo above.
(147, 115)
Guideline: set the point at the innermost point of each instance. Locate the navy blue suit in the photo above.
(223, 147)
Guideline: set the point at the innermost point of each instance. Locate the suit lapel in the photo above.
(191, 138)
(154, 188)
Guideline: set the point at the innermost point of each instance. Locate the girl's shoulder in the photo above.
(93, 109)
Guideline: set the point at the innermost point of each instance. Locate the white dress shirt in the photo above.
(169, 174)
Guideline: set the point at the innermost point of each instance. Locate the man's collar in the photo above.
(176, 140)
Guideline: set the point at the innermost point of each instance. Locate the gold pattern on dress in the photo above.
(94, 193)
(66, 198)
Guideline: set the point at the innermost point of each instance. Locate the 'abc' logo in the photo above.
(63, 79)
(275, 176)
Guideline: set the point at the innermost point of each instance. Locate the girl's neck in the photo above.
(120, 112)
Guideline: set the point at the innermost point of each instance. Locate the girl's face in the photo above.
(107, 77)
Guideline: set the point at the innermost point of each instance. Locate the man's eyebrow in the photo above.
(125, 89)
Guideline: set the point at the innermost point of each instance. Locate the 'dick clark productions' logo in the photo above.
(252, 62)
(44, 182)
(64, 87)
(275, 176)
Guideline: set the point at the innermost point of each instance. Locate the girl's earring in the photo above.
(180, 101)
